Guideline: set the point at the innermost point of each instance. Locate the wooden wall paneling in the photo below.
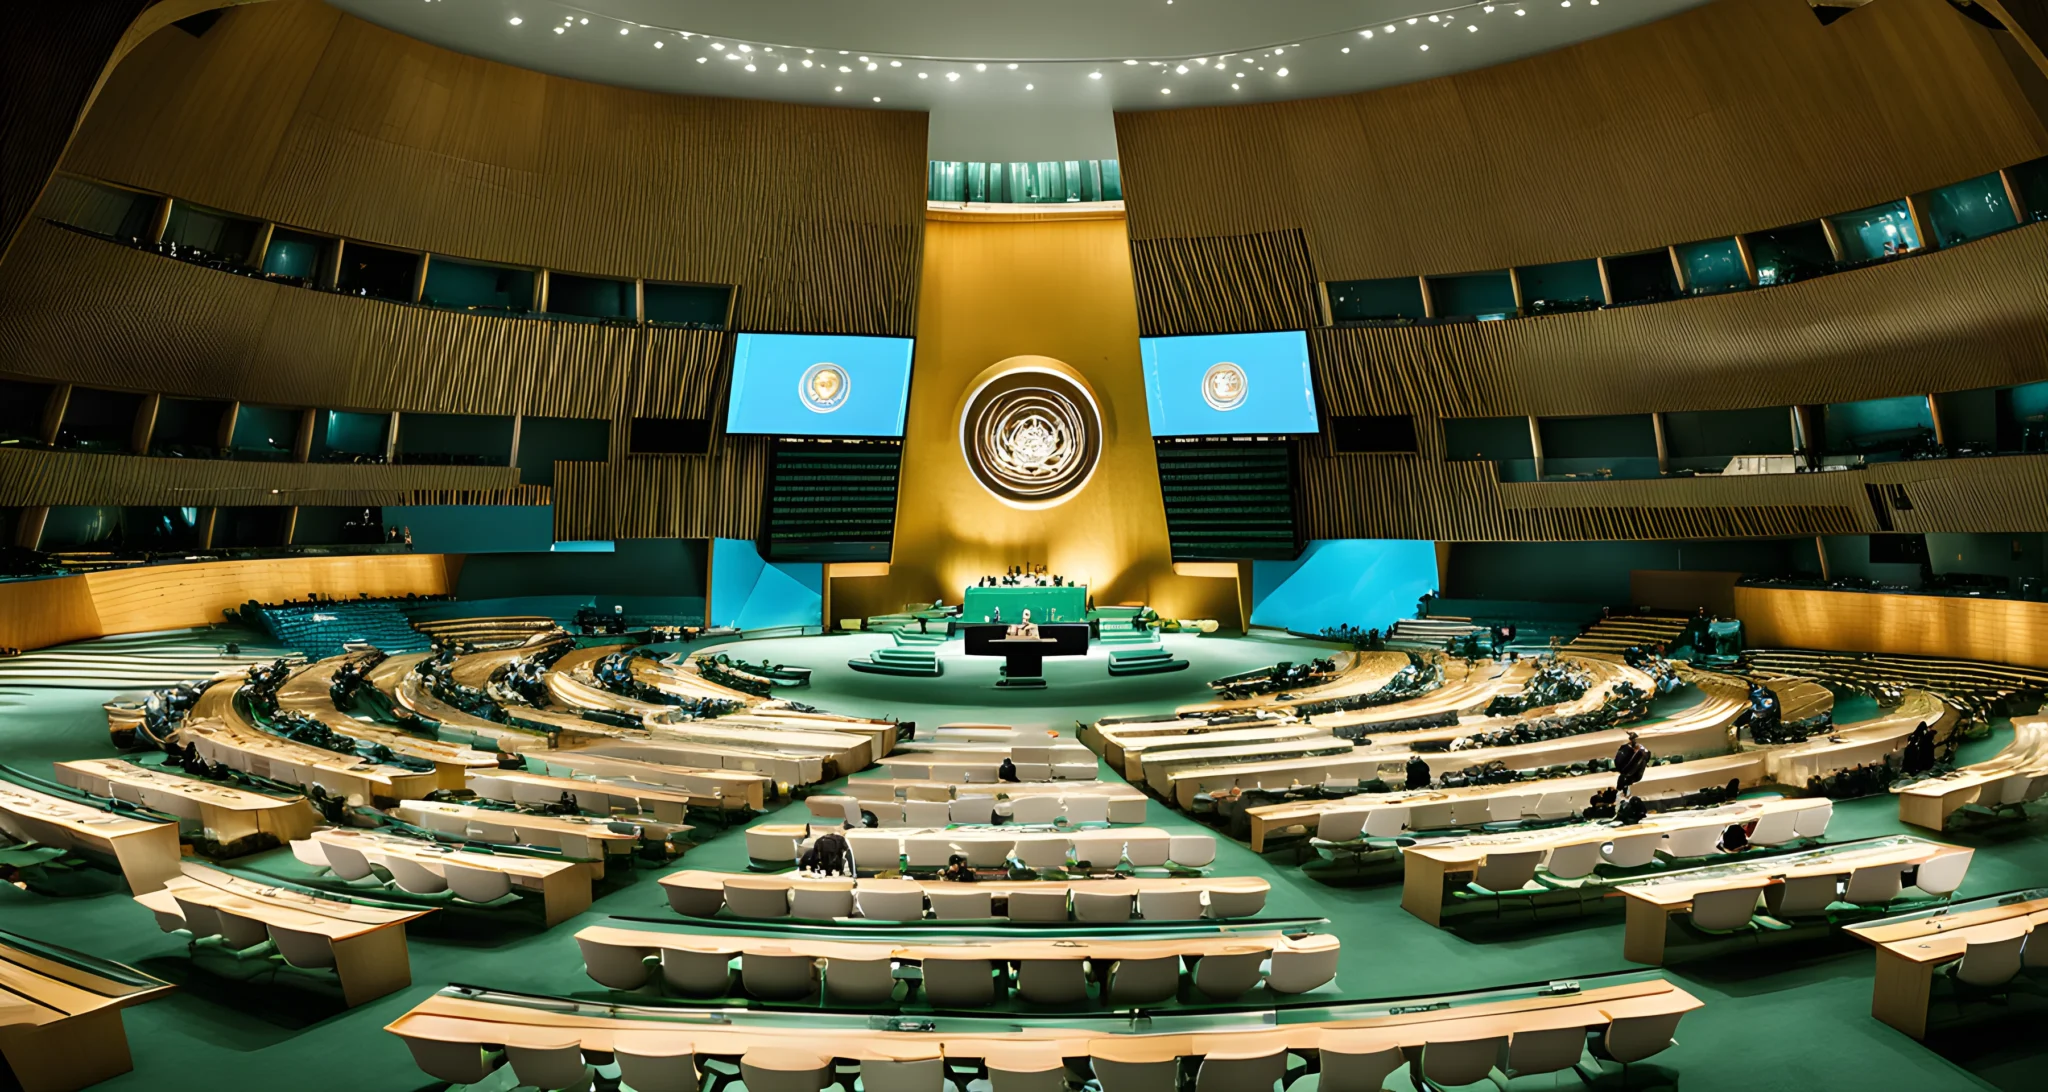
(294, 113)
(1650, 136)
(35, 477)
(37, 613)
(1217, 285)
(664, 496)
(1998, 630)
(153, 597)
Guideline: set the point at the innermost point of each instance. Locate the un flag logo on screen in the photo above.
(824, 387)
(1224, 386)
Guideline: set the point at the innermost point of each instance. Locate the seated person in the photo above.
(1024, 628)
(957, 870)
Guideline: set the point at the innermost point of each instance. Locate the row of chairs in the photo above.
(649, 1065)
(469, 883)
(1997, 956)
(1511, 870)
(1393, 821)
(969, 810)
(1874, 886)
(895, 900)
(988, 773)
(1001, 847)
(966, 983)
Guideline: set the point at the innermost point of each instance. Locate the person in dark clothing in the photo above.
(1631, 762)
(1919, 754)
(958, 871)
(1632, 810)
(830, 855)
(1418, 772)
(1008, 770)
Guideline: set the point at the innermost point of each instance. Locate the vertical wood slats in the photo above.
(31, 477)
(1262, 281)
(293, 112)
(1734, 116)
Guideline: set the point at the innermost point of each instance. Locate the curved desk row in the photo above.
(2012, 778)
(891, 849)
(60, 1015)
(703, 894)
(428, 868)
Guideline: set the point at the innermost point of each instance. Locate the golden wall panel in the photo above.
(998, 291)
(291, 111)
(1734, 116)
(1995, 630)
(37, 613)
(32, 477)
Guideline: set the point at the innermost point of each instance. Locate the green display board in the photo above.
(1045, 604)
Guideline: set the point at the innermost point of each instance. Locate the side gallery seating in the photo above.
(461, 1035)
(965, 974)
(1819, 885)
(705, 894)
(363, 945)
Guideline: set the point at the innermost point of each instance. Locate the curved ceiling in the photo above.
(949, 55)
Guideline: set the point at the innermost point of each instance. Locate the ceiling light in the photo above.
(1094, 75)
(558, 30)
(1390, 28)
(1431, 19)
(517, 20)
(657, 45)
(745, 48)
(807, 64)
(701, 60)
(1471, 28)
(1519, 11)
(952, 75)
(1130, 62)
(981, 68)
(1425, 49)
(1278, 52)
(1282, 72)
(1166, 90)
(1233, 87)
(1566, 4)
(1411, 22)
(783, 67)
(895, 64)
(750, 68)
(1029, 86)
(585, 22)
(1013, 66)
(863, 60)
(718, 45)
(878, 98)
(1181, 69)
(843, 68)
(1488, 9)
(1346, 49)
(839, 89)
(1237, 75)
(924, 75)
(1367, 33)
(622, 30)
(872, 66)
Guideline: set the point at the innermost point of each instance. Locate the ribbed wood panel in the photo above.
(2005, 631)
(1974, 316)
(665, 496)
(30, 477)
(1218, 285)
(1735, 116)
(294, 112)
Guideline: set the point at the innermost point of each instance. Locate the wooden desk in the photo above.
(1252, 889)
(1909, 950)
(1001, 949)
(224, 813)
(1158, 767)
(1126, 805)
(1125, 754)
(368, 942)
(60, 1014)
(576, 836)
(471, 1019)
(707, 788)
(1929, 803)
(658, 745)
(145, 852)
(308, 691)
(564, 886)
(1357, 673)
(768, 841)
(666, 805)
(1798, 765)
(223, 736)
(1652, 902)
(1428, 868)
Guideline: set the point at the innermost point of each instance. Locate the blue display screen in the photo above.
(819, 385)
(1229, 384)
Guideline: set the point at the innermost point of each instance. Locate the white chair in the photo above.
(961, 902)
(875, 850)
(1941, 875)
(888, 814)
(1813, 822)
(461, 1063)
(549, 1067)
(411, 875)
(1341, 825)
(1457, 1062)
(1352, 1071)
(694, 902)
(477, 885)
(2034, 954)
(1472, 811)
(1632, 850)
(348, 862)
(927, 852)
(1301, 971)
(977, 811)
(1227, 1072)
(1775, 828)
(614, 965)
(1227, 977)
(1177, 905)
(1101, 906)
(866, 791)
(1148, 850)
(860, 981)
(890, 903)
(1872, 885)
(1015, 1075)
(502, 834)
(1553, 805)
(1434, 815)
(1802, 896)
(1046, 854)
(780, 1069)
(1504, 871)
(889, 1075)
(307, 951)
(1632, 1038)
(779, 977)
(1037, 808)
(1073, 771)
(959, 983)
(1385, 823)
(1101, 851)
(927, 814)
(1144, 981)
(1039, 904)
(1034, 771)
(1505, 809)
(242, 932)
(1723, 911)
(1994, 958)
(1155, 1076)
(1087, 807)
(837, 808)
(697, 974)
(1697, 840)
(757, 902)
(820, 902)
(1573, 861)
(1551, 1050)
(1051, 981)
(989, 849)
(2009, 791)
(1191, 850)
(1236, 903)
(309, 853)
(657, 1063)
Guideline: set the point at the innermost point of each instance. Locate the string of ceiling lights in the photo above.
(846, 66)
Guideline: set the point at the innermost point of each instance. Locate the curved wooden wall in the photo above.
(292, 111)
(1736, 116)
(33, 478)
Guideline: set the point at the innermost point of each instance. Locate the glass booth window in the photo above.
(1971, 209)
(1390, 299)
(1472, 295)
(1879, 231)
(221, 236)
(297, 255)
(1561, 286)
(476, 286)
(1791, 253)
(1714, 265)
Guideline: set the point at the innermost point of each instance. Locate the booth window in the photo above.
(1560, 286)
(297, 255)
(477, 286)
(1480, 296)
(107, 211)
(669, 436)
(1865, 232)
(378, 273)
(693, 306)
(1971, 209)
(1388, 434)
(591, 298)
(1388, 299)
(1791, 253)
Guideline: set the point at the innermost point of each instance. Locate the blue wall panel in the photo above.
(1368, 583)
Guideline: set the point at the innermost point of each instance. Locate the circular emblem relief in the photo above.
(824, 387)
(1031, 437)
(1224, 386)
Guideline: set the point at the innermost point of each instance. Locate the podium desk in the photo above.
(1024, 657)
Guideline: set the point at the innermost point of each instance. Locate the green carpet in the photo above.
(1776, 1020)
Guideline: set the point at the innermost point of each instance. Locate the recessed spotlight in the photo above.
(701, 60)
(783, 67)
(1278, 52)
(1367, 33)
(952, 75)
(623, 30)
(1094, 75)
(1282, 72)
(878, 98)
(1346, 49)
(516, 20)
(1431, 19)
(839, 89)
(1130, 62)
(843, 68)
(1166, 90)
(863, 60)
(981, 68)
(1565, 4)
(1029, 86)
(1471, 29)
(1390, 28)
(1237, 75)
(745, 48)
(584, 22)
(1488, 9)
(872, 66)
(895, 64)
(657, 45)
(1013, 66)
(750, 68)
(924, 75)
(558, 30)
(807, 64)
(718, 45)
(1411, 22)
(1425, 48)
(1233, 87)
(1519, 11)
(1180, 69)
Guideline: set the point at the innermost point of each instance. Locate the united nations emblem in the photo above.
(1224, 386)
(1032, 437)
(824, 387)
